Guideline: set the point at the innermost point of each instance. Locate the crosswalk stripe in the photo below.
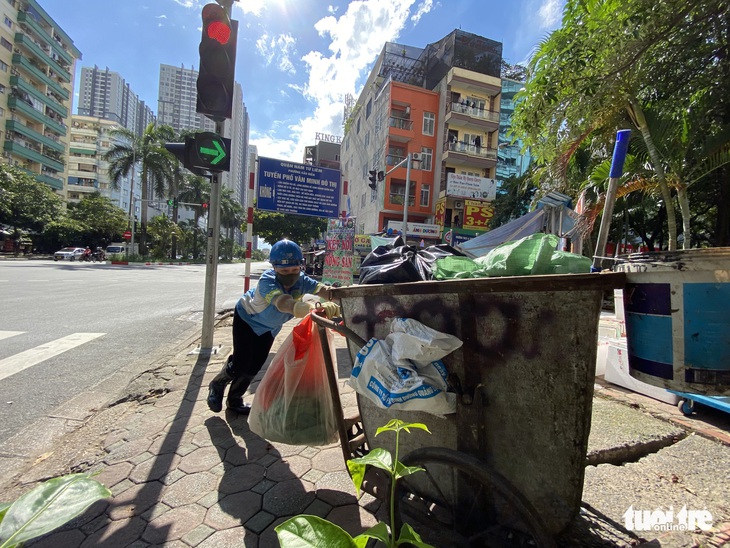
(29, 358)
(8, 334)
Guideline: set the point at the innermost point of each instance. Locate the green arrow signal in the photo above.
(218, 152)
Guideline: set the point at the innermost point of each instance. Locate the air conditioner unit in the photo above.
(416, 157)
(458, 204)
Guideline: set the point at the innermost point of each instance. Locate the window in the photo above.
(8, 22)
(2, 88)
(367, 139)
(357, 129)
(429, 121)
(7, 45)
(426, 158)
(369, 109)
(425, 195)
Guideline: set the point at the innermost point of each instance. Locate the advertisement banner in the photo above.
(459, 185)
(339, 251)
(477, 215)
(416, 230)
(440, 212)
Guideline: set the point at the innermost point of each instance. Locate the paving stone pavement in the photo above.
(182, 476)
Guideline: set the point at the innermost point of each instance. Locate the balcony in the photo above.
(462, 153)
(25, 19)
(22, 84)
(401, 129)
(16, 103)
(12, 125)
(473, 118)
(53, 182)
(25, 64)
(24, 41)
(28, 153)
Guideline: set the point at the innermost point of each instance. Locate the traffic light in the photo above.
(205, 205)
(373, 179)
(170, 202)
(203, 151)
(217, 63)
(381, 176)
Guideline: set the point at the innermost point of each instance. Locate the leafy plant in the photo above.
(47, 507)
(306, 530)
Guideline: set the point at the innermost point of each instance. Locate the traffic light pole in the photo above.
(211, 260)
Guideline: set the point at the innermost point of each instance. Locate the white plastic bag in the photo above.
(411, 383)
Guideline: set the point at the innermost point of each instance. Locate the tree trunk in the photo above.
(637, 115)
(143, 214)
(683, 200)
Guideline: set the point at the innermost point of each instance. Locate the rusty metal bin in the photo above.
(525, 374)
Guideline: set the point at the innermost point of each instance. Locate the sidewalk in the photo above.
(183, 476)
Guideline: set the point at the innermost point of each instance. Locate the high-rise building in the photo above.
(439, 107)
(177, 101)
(37, 64)
(105, 94)
(90, 138)
(511, 161)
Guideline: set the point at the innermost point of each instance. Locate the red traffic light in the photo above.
(205, 206)
(219, 31)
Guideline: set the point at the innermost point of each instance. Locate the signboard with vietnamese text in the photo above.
(416, 230)
(301, 189)
(339, 251)
(477, 215)
(469, 186)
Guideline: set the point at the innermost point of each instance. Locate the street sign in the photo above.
(128, 235)
(301, 189)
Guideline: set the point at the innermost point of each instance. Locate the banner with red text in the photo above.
(339, 251)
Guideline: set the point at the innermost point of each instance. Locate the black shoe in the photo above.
(215, 397)
(238, 406)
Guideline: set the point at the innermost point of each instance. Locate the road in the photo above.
(65, 327)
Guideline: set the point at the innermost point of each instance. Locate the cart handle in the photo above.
(340, 328)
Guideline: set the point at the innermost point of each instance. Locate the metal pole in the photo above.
(407, 200)
(134, 208)
(617, 167)
(249, 232)
(211, 263)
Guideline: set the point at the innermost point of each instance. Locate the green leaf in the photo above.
(379, 531)
(48, 506)
(313, 532)
(357, 473)
(4, 508)
(395, 425)
(378, 457)
(409, 536)
(402, 471)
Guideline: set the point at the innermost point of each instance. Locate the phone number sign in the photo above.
(301, 189)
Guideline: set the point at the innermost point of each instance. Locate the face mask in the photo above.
(287, 280)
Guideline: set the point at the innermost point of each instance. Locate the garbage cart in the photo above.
(524, 378)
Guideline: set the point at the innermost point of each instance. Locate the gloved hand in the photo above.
(331, 310)
(301, 309)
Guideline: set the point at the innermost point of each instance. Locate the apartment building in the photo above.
(438, 106)
(105, 94)
(511, 161)
(90, 138)
(177, 101)
(37, 64)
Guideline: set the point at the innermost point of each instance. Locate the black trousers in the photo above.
(250, 350)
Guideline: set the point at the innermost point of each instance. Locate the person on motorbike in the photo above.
(87, 254)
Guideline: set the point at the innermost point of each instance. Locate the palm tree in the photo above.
(231, 216)
(148, 150)
(195, 189)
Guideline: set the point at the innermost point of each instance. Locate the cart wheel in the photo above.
(459, 501)
(686, 406)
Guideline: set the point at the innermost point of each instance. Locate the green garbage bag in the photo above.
(529, 255)
(570, 263)
(453, 266)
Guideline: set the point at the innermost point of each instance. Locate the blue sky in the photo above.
(296, 59)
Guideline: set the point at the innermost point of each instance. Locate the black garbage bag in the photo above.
(402, 263)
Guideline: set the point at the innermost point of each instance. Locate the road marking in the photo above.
(29, 358)
(8, 334)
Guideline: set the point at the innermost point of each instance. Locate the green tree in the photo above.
(272, 227)
(610, 61)
(156, 163)
(161, 232)
(231, 218)
(102, 221)
(26, 204)
(195, 190)
(512, 201)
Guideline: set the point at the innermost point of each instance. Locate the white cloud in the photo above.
(279, 48)
(161, 17)
(187, 3)
(356, 39)
(550, 13)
